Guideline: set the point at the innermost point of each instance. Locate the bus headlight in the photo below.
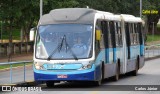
(38, 67)
(88, 66)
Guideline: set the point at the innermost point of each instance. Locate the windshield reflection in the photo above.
(51, 43)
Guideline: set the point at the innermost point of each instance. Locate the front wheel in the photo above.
(98, 83)
(50, 83)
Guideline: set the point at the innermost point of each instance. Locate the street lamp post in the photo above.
(1, 33)
(41, 8)
(153, 32)
(140, 8)
(1, 39)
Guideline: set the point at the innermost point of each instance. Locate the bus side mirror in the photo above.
(31, 34)
(98, 34)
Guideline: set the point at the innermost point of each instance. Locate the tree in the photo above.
(152, 5)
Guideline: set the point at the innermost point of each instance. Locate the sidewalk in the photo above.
(18, 57)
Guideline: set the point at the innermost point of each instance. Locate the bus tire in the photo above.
(50, 83)
(99, 82)
(135, 72)
(116, 77)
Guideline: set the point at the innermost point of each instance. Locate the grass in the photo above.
(13, 65)
(150, 38)
(158, 25)
(15, 34)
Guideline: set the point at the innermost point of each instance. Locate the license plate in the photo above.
(62, 76)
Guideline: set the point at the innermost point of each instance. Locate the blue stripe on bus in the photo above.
(107, 55)
(135, 51)
(141, 50)
(114, 55)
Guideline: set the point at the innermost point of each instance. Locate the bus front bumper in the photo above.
(68, 75)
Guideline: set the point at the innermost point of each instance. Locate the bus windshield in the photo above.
(64, 41)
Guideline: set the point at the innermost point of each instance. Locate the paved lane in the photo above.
(18, 75)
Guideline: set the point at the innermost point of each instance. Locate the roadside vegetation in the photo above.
(151, 38)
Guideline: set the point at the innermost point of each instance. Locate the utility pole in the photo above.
(140, 8)
(41, 8)
(153, 33)
(10, 35)
(1, 32)
(1, 38)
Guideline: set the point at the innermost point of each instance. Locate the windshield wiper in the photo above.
(73, 54)
(59, 47)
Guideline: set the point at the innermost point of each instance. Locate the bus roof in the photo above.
(130, 18)
(82, 16)
(113, 17)
(69, 15)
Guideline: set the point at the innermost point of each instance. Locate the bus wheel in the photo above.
(116, 77)
(135, 72)
(50, 83)
(99, 82)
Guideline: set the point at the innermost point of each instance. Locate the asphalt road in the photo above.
(17, 75)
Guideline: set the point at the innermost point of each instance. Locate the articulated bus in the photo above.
(81, 44)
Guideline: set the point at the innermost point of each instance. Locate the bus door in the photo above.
(128, 40)
(139, 26)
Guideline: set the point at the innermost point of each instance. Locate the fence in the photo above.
(11, 70)
(152, 51)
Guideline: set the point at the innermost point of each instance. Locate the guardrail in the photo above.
(152, 51)
(20, 62)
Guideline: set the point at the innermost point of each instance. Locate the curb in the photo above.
(151, 58)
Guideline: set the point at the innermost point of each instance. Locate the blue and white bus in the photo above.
(81, 44)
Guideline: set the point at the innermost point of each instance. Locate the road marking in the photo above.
(94, 92)
(29, 81)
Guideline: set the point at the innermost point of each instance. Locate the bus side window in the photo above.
(118, 34)
(139, 29)
(137, 33)
(97, 42)
(102, 45)
(127, 34)
(131, 34)
(105, 34)
(109, 35)
(112, 35)
(127, 31)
